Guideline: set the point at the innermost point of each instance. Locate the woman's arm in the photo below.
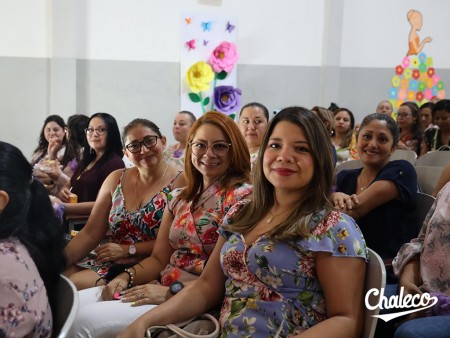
(82, 208)
(443, 179)
(342, 281)
(410, 277)
(149, 268)
(201, 296)
(97, 225)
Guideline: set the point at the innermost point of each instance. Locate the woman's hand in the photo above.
(110, 252)
(145, 294)
(64, 195)
(343, 201)
(54, 145)
(55, 171)
(112, 290)
(137, 329)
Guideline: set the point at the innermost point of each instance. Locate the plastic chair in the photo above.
(434, 159)
(66, 307)
(353, 164)
(404, 154)
(423, 204)
(427, 177)
(375, 278)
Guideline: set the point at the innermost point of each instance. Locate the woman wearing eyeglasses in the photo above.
(410, 127)
(217, 168)
(129, 209)
(100, 158)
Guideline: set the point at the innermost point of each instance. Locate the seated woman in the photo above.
(423, 265)
(76, 140)
(287, 264)
(410, 127)
(426, 116)
(31, 249)
(384, 107)
(217, 168)
(174, 154)
(438, 138)
(52, 151)
(100, 158)
(253, 120)
(344, 122)
(327, 119)
(130, 206)
(381, 195)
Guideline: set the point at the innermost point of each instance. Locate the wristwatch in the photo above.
(132, 250)
(175, 287)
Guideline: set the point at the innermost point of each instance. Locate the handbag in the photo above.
(204, 326)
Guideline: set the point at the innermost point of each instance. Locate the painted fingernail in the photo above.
(122, 293)
(133, 304)
(116, 295)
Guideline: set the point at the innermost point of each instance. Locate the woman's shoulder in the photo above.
(14, 257)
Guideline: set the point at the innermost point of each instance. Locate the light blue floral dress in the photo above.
(272, 288)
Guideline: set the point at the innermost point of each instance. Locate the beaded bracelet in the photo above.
(131, 279)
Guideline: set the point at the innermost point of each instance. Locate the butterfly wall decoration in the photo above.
(190, 44)
(230, 27)
(206, 26)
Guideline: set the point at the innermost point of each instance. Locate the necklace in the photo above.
(363, 187)
(272, 216)
(138, 205)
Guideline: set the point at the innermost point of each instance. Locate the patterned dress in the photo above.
(193, 233)
(272, 287)
(129, 227)
(24, 306)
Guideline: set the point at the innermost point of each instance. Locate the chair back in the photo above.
(427, 177)
(434, 159)
(404, 154)
(423, 205)
(66, 307)
(352, 164)
(375, 278)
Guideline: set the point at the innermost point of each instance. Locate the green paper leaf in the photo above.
(194, 97)
(232, 116)
(222, 75)
(206, 101)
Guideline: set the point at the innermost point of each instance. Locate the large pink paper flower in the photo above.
(224, 57)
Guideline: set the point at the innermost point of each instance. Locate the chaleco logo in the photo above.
(400, 301)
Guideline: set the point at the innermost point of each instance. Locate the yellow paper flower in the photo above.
(199, 77)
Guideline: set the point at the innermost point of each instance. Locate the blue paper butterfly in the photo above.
(206, 25)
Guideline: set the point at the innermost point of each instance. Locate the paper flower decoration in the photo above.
(423, 68)
(422, 57)
(422, 86)
(393, 93)
(428, 94)
(419, 96)
(199, 76)
(430, 72)
(396, 81)
(406, 62)
(222, 60)
(415, 62)
(399, 70)
(408, 73)
(224, 57)
(227, 98)
(440, 85)
(416, 74)
(411, 95)
(413, 85)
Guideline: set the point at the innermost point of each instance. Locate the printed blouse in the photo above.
(129, 227)
(193, 233)
(272, 288)
(175, 156)
(24, 306)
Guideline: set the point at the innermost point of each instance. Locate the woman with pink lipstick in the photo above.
(287, 264)
(381, 195)
(410, 127)
(344, 122)
(253, 120)
(174, 154)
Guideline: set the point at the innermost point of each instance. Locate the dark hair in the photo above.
(416, 127)
(258, 105)
(29, 215)
(348, 136)
(43, 143)
(333, 106)
(239, 169)
(390, 123)
(317, 194)
(191, 116)
(442, 105)
(76, 124)
(113, 142)
(139, 122)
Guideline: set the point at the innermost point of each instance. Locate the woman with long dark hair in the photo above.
(31, 249)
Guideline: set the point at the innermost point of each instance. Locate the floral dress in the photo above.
(175, 156)
(129, 227)
(193, 233)
(24, 305)
(272, 289)
(433, 247)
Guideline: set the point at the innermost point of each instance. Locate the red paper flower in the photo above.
(430, 72)
(419, 96)
(399, 70)
(416, 74)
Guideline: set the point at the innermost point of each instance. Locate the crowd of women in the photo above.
(244, 217)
